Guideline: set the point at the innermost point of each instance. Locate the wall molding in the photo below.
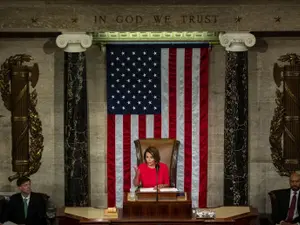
(89, 17)
(102, 37)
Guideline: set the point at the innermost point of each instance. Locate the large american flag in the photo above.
(162, 92)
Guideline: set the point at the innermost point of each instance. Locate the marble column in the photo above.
(75, 118)
(236, 117)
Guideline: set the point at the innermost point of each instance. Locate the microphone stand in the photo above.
(157, 169)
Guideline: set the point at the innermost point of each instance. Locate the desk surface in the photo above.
(230, 211)
(85, 212)
(93, 215)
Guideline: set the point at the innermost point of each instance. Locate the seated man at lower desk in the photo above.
(26, 207)
(286, 210)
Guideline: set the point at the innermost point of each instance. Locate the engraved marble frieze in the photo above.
(54, 16)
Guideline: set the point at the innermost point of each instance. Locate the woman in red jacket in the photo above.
(152, 171)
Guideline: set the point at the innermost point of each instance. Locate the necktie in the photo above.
(292, 208)
(25, 206)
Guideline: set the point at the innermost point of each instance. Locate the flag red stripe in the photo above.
(157, 126)
(203, 156)
(188, 119)
(111, 162)
(172, 92)
(142, 126)
(126, 152)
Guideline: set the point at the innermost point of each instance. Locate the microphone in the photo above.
(157, 170)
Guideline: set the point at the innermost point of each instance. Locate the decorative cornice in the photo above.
(74, 41)
(101, 37)
(237, 41)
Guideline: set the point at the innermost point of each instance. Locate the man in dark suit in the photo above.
(26, 207)
(286, 209)
(3, 204)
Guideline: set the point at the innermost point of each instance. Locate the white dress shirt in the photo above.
(27, 198)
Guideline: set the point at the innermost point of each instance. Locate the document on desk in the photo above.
(147, 190)
(160, 190)
(168, 190)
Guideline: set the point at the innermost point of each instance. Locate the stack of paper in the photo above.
(161, 190)
(147, 190)
(168, 190)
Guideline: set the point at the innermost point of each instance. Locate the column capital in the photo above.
(74, 41)
(237, 41)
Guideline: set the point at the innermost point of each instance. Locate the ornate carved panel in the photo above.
(27, 138)
(180, 15)
(285, 125)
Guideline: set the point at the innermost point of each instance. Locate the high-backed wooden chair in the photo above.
(168, 150)
(274, 196)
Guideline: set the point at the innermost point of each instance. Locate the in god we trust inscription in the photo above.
(157, 19)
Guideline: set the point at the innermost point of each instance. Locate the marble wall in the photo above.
(50, 179)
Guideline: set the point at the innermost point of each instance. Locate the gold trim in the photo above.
(21, 74)
(21, 162)
(19, 118)
(291, 161)
(21, 94)
(291, 118)
(212, 37)
(289, 134)
(291, 95)
(292, 74)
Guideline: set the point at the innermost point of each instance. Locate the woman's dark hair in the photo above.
(154, 152)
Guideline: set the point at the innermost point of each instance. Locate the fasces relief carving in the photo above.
(27, 139)
(285, 125)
